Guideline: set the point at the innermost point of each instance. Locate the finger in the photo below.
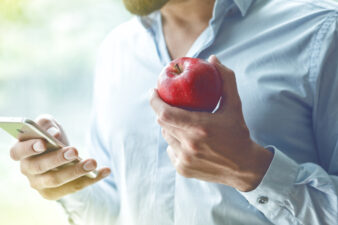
(74, 186)
(24, 149)
(230, 94)
(181, 153)
(171, 140)
(172, 155)
(63, 138)
(48, 123)
(194, 133)
(42, 163)
(179, 167)
(64, 175)
(173, 115)
(177, 132)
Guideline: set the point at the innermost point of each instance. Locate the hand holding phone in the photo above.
(52, 167)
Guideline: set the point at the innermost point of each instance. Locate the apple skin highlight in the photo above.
(190, 83)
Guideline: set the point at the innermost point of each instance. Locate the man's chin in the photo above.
(143, 7)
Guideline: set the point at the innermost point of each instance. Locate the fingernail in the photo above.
(70, 155)
(52, 131)
(213, 58)
(38, 146)
(89, 165)
(210, 57)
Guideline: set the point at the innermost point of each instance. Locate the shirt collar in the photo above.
(242, 5)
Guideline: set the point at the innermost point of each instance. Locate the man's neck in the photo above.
(187, 12)
(183, 21)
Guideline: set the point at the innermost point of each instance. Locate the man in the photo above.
(268, 155)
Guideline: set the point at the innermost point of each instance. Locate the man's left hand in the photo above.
(214, 147)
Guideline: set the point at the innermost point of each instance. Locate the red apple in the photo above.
(190, 83)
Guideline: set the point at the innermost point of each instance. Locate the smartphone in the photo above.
(24, 129)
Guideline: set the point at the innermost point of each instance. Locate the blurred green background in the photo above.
(47, 58)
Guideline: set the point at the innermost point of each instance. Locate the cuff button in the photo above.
(262, 200)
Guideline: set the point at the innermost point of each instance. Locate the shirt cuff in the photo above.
(271, 196)
(73, 204)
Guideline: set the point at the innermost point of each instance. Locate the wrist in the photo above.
(257, 164)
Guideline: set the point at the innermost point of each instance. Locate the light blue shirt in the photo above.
(285, 57)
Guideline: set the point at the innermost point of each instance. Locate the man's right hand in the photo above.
(50, 173)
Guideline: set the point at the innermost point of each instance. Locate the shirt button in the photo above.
(262, 200)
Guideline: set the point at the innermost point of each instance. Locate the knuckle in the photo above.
(192, 145)
(186, 159)
(78, 186)
(194, 150)
(78, 170)
(183, 171)
(200, 155)
(23, 168)
(31, 166)
(34, 184)
(37, 168)
(202, 131)
(164, 115)
(13, 154)
(44, 120)
(50, 181)
(46, 194)
(196, 153)
(160, 122)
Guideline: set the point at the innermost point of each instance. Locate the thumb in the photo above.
(230, 96)
(52, 127)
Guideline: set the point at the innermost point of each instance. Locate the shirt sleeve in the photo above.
(296, 194)
(307, 193)
(98, 203)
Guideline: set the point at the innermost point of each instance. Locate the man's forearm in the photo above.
(253, 173)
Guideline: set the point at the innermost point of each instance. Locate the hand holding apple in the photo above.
(213, 147)
(190, 83)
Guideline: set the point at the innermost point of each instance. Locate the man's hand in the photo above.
(213, 147)
(49, 173)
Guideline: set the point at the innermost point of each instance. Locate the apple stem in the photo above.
(178, 68)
